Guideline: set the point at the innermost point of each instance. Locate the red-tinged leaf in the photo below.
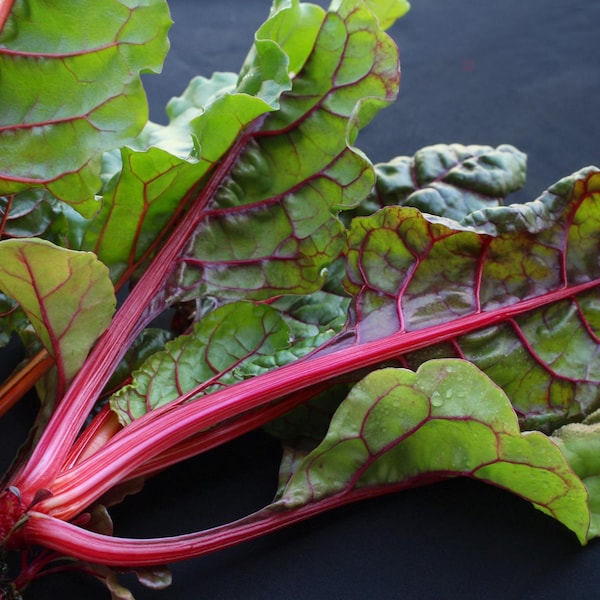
(398, 428)
(213, 355)
(146, 186)
(270, 228)
(512, 289)
(66, 295)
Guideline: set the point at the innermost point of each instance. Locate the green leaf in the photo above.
(271, 227)
(68, 97)
(448, 180)
(388, 11)
(148, 183)
(580, 443)
(527, 274)
(66, 295)
(400, 428)
(205, 360)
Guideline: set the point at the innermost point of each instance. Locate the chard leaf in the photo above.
(580, 443)
(66, 98)
(512, 289)
(147, 184)
(270, 227)
(448, 180)
(66, 295)
(205, 360)
(398, 428)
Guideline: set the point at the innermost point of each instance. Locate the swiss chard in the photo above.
(429, 325)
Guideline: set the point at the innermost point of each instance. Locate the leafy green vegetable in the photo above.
(402, 428)
(393, 325)
(66, 98)
(450, 180)
(412, 271)
(66, 295)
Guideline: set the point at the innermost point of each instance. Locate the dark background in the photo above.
(525, 72)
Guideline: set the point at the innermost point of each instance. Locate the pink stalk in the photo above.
(5, 8)
(68, 418)
(70, 540)
(157, 431)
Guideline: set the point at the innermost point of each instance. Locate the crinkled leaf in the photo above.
(67, 97)
(36, 213)
(66, 295)
(205, 360)
(147, 184)
(270, 227)
(400, 428)
(512, 289)
(448, 180)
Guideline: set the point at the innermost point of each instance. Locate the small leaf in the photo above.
(67, 97)
(66, 295)
(400, 428)
(580, 443)
(155, 578)
(208, 358)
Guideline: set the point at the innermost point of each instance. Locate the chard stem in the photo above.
(160, 430)
(136, 312)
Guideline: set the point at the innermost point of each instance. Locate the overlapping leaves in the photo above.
(529, 270)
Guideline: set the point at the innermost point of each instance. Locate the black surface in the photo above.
(525, 72)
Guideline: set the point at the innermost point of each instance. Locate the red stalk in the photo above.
(71, 540)
(160, 430)
(55, 443)
(5, 8)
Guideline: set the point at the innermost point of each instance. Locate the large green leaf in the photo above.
(148, 183)
(66, 295)
(270, 228)
(529, 272)
(71, 89)
(398, 428)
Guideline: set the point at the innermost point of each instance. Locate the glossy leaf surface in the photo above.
(400, 428)
(528, 271)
